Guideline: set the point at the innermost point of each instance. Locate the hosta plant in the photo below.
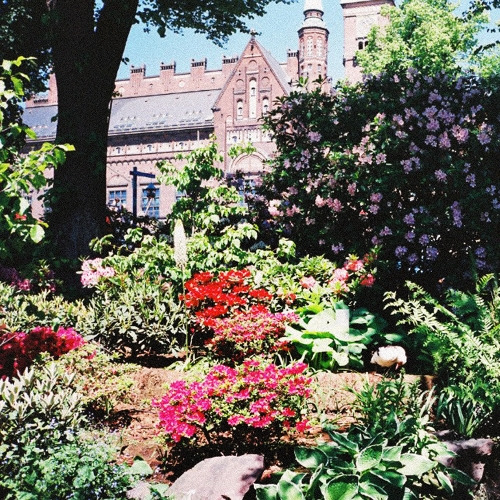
(352, 466)
(326, 342)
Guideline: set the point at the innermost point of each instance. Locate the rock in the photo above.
(471, 455)
(218, 478)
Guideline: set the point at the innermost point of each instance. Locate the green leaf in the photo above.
(289, 491)
(460, 477)
(340, 488)
(344, 442)
(392, 453)
(369, 458)
(37, 233)
(140, 467)
(415, 465)
(266, 491)
(445, 482)
(310, 457)
(391, 477)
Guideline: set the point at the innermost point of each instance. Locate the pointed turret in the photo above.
(313, 42)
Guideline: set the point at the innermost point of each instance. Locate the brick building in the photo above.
(154, 118)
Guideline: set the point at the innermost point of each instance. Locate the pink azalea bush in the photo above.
(248, 333)
(18, 350)
(250, 398)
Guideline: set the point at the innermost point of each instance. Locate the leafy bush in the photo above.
(19, 173)
(254, 403)
(325, 340)
(101, 381)
(389, 454)
(462, 335)
(404, 161)
(82, 469)
(248, 333)
(22, 312)
(41, 406)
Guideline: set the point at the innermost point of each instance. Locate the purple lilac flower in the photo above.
(433, 125)
(351, 189)
(424, 239)
(491, 189)
(495, 203)
(375, 197)
(410, 236)
(431, 253)
(471, 180)
(400, 251)
(456, 214)
(380, 158)
(409, 219)
(337, 248)
(480, 252)
(412, 259)
(460, 134)
(385, 232)
(314, 136)
(440, 175)
(373, 209)
(444, 141)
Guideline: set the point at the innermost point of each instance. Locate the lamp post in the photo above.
(150, 190)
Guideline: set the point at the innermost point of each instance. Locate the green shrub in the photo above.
(40, 407)
(463, 336)
(22, 312)
(83, 469)
(389, 454)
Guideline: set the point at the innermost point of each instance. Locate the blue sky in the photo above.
(278, 33)
(278, 30)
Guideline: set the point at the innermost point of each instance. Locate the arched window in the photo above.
(252, 103)
(309, 46)
(265, 106)
(319, 47)
(239, 109)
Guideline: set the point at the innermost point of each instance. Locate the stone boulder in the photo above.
(218, 478)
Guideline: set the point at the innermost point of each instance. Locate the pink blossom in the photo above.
(308, 282)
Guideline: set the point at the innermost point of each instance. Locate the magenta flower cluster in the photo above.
(252, 395)
(18, 350)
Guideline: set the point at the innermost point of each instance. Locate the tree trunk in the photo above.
(87, 55)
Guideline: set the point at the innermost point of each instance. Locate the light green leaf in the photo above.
(341, 488)
(369, 458)
(289, 491)
(266, 491)
(37, 233)
(415, 465)
(310, 457)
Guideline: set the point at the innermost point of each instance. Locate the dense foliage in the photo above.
(403, 161)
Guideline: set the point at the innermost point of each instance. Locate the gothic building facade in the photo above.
(154, 118)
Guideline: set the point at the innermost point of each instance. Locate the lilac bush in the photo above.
(407, 163)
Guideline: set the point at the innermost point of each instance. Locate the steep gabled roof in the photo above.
(274, 66)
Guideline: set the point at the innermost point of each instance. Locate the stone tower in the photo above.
(359, 17)
(313, 42)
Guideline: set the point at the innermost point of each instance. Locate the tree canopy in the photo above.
(423, 34)
(85, 41)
